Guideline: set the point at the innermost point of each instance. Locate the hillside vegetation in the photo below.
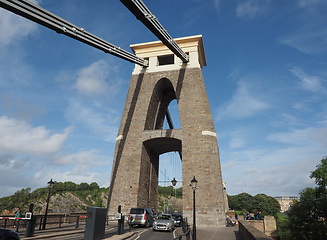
(65, 197)
(71, 197)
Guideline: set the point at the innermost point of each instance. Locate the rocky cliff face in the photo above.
(61, 203)
(69, 203)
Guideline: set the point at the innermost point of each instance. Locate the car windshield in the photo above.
(137, 211)
(164, 217)
(178, 217)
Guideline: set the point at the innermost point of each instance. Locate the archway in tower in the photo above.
(170, 173)
(170, 169)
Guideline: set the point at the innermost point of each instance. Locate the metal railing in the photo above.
(53, 220)
(186, 231)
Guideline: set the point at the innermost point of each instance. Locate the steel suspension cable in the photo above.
(142, 13)
(41, 16)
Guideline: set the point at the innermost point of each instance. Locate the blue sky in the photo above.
(266, 77)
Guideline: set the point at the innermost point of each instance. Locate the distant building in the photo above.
(286, 202)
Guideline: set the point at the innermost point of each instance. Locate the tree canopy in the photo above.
(308, 217)
(260, 202)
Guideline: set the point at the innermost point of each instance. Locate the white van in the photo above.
(141, 216)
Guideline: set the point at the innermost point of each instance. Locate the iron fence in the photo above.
(186, 231)
(53, 220)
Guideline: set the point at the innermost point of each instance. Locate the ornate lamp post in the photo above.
(194, 184)
(174, 182)
(50, 183)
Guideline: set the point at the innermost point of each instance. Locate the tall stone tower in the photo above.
(141, 139)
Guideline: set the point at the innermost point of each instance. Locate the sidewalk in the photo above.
(217, 233)
(205, 233)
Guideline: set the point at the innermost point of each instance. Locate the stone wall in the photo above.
(248, 232)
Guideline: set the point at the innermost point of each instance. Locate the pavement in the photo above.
(217, 233)
(202, 233)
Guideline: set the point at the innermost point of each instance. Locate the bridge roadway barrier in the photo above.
(249, 232)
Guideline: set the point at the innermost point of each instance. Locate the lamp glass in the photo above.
(194, 183)
(174, 182)
(50, 183)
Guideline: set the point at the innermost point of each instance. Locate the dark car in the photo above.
(7, 234)
(178, 219)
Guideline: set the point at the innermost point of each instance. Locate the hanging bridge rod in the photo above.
(142, 13)
(39, 15)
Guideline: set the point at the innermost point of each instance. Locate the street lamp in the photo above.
(174, 182)
(194, 184)
(50, 183)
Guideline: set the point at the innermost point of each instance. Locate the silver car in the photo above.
(141, 216)
(164, 222)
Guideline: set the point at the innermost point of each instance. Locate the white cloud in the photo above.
(244, 104)
(19, 108)
(251, 8)
(91, 80)
(217, 4)
(89, 158)
(230, 164)
(308, 83)
(78, 174)
(283, 171)
(308, 3)
(309, 40)
(14, 28)
(18, 136)
(312, 136)
(94, 116)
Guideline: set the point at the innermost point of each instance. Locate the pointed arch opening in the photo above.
(163, 108)
(170, 168)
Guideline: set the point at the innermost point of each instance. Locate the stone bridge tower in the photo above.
(141, 139)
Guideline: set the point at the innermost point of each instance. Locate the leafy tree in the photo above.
(94, 185)
(268, 205)
(283, 230)
(168, 192)
(246, 203)
(70, 186)
(242, 202)
(83, 186)
(307, 217)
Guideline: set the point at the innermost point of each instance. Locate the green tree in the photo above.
(268, 205)
(83, 186)
(242, 202)
(307, 217)
(246, 203)
(70, 186)
(94, 185)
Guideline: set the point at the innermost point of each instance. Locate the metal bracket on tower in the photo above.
(142, 13)
(39, 15)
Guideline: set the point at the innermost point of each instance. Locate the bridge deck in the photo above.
(211, 233)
